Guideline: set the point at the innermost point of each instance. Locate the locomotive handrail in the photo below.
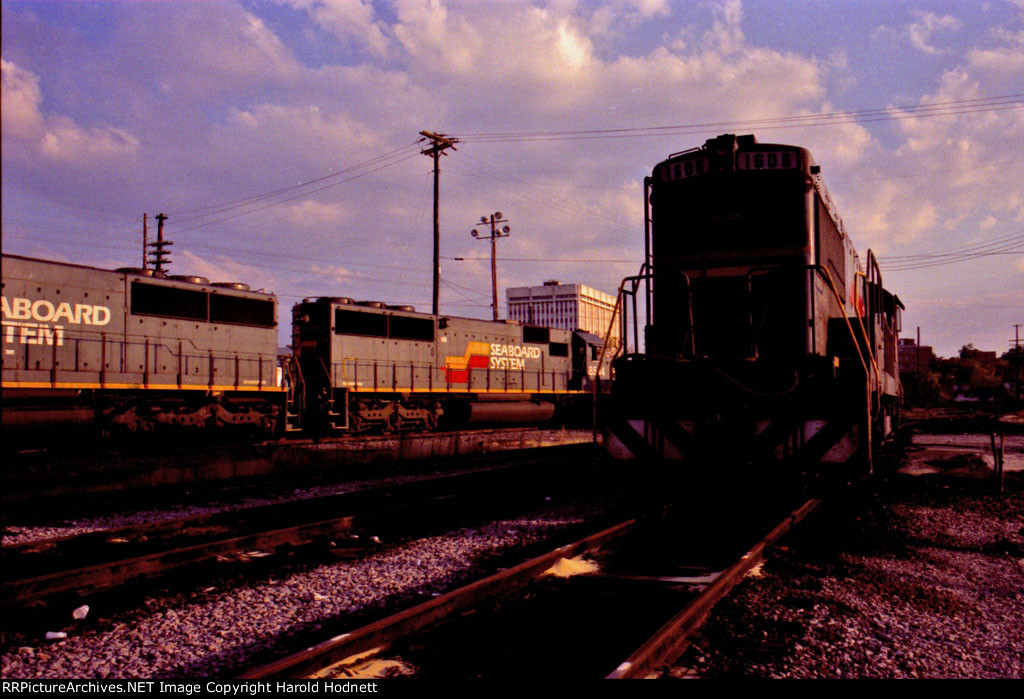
(66, 349)
(618, 310)
(292, 372)
(608, 333)
(494, 379)
(635, 281)
(875, 278)
(867, 343)
(849, 326)
(867, 374)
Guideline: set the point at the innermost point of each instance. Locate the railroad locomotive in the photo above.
(768, 342)
(362, 366)
(133, 352)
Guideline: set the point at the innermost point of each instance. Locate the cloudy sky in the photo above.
(280, 138)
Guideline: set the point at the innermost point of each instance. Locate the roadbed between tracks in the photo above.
(923, 577)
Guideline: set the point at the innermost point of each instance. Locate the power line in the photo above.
(955, 251)
(297, 196)
(546, 259)
(1004, 246)
(949, 108)
(214, 209)
(530, 195)
(924, 173)
(952, 252)
(984, 104)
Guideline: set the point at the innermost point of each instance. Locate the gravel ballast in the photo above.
(216, 633)
(919, 577)
(922, 579)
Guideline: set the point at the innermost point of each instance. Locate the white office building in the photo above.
(567, 306)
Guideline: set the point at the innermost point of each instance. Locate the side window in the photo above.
(168, 301)
(405, 328)
(360, 323)
(239, 310)
(559, 349)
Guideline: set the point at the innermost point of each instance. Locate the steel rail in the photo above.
(359, 509)
(380, 635)
(672, 639)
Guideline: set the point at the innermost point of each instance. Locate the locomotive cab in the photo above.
(586, 359)
(769, 343)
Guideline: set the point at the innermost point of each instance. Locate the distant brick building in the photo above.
(911, 356)
(980, 356)
(983, 357)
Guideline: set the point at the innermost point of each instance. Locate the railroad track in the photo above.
(647, 619)
(88, 563)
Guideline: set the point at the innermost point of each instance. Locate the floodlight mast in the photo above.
(494, 219)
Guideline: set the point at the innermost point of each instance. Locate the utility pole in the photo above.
(145, 240)
(919, 360)
(496, 233)
(439, 143)
(159, 254)
(1016, 361)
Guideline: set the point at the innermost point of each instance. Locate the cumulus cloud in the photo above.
(224, 268)
(206, 51)
(66, 141)
(500, 47)
(20, 103)
(927, 25)
(1004, 63)
(922, 33)
(947, 171)
(29, 132)
(352, 21)
(335, 273)
(315, 215)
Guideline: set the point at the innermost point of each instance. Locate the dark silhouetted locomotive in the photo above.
(768, 340)
(133, 352)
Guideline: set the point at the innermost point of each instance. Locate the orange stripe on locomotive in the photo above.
(477, 356)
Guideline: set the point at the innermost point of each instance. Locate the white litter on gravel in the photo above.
(215, 634)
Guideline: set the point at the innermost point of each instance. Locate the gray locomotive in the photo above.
(768, 340)
(361, 366)
(134, 352)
